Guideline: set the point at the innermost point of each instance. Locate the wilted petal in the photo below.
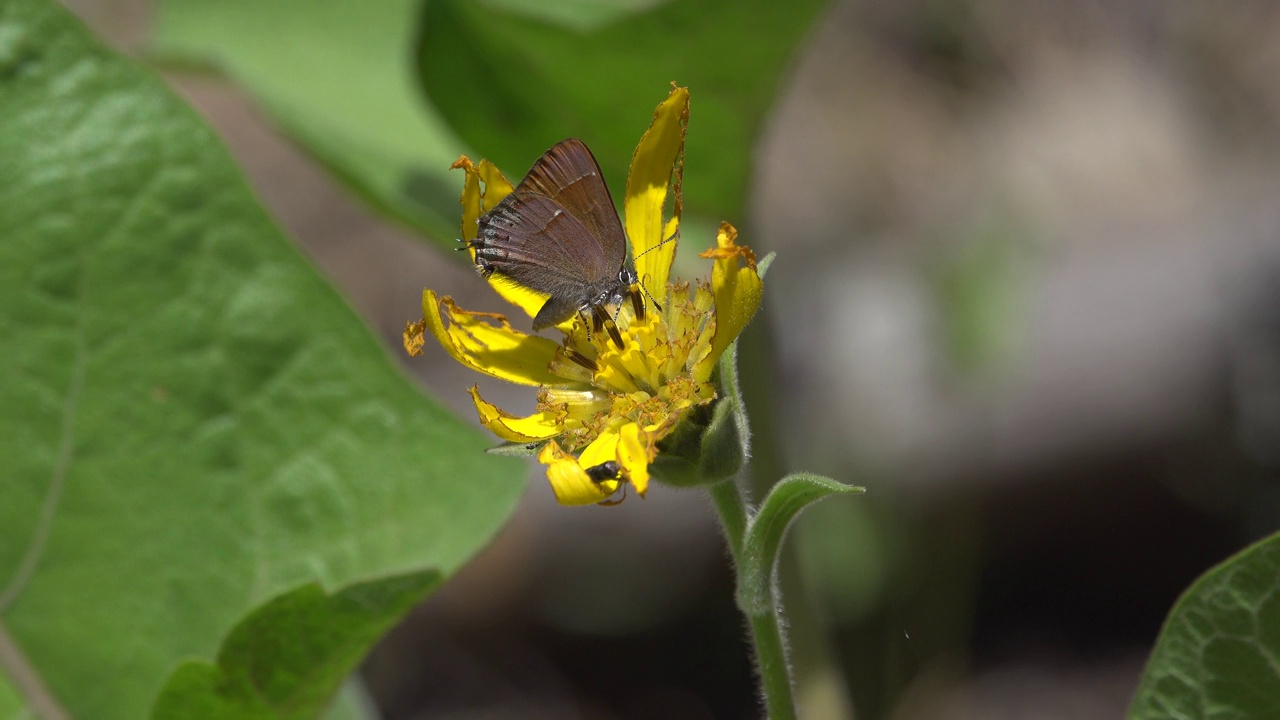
(413, 337)
(496, 186)
(534, 428)
(482, 189)
(737, 288)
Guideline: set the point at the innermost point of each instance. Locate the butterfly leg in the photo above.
(637, 303)
(601, 319)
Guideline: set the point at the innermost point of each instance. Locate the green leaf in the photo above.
(514, 82)
(762, 267)
(194, 421)
(338, 77)
(287, 658)
(581, 15)
(516, 449)
(11, 703)
(1218, 655)
(768, 527)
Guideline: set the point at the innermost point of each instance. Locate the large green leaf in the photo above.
(194, 422)
(286, 659)
(11, 703)
(338, 76)
(513, 79)
(1219, 653)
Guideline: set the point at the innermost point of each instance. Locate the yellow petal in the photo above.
(601, 450)
(483, 187)
(568, 478)
(476, 201)
(637, 447)
(575, 404)
(487, 343)
(496, 186)
(472, 199)
(530, 301)
(737, 287)
(535, 428)
(631, 447)
(660, 152)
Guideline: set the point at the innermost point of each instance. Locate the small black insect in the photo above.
(608, 470)
(558, 233)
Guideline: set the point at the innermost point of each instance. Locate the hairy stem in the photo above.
(766, 631)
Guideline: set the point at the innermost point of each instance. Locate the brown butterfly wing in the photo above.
(536, 243)
(569, 174)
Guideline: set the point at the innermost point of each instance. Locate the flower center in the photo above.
(647, 378)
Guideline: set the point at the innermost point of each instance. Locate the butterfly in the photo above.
(558, 233)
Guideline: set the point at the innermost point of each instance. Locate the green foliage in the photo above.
(507, 77)
(194, 422)
(762, 542)
(513, 82)
(1217, 655)
(11, 703)
(286, 659)
(336, 75)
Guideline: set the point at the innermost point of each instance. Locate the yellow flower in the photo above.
(606, 399)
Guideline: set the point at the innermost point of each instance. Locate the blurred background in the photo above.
(1027, 292)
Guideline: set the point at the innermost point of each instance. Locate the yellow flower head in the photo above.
(605, 399)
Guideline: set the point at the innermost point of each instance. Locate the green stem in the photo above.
(766, 632)
(732, 508)
(775, 672)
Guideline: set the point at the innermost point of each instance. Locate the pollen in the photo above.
(647, 378)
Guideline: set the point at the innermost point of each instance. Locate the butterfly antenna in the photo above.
(673, 236)
(647, 294)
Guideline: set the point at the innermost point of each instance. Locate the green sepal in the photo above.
(517, 449)
(726, 443)
(674, 470)
(711, 444)
(679, 451)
